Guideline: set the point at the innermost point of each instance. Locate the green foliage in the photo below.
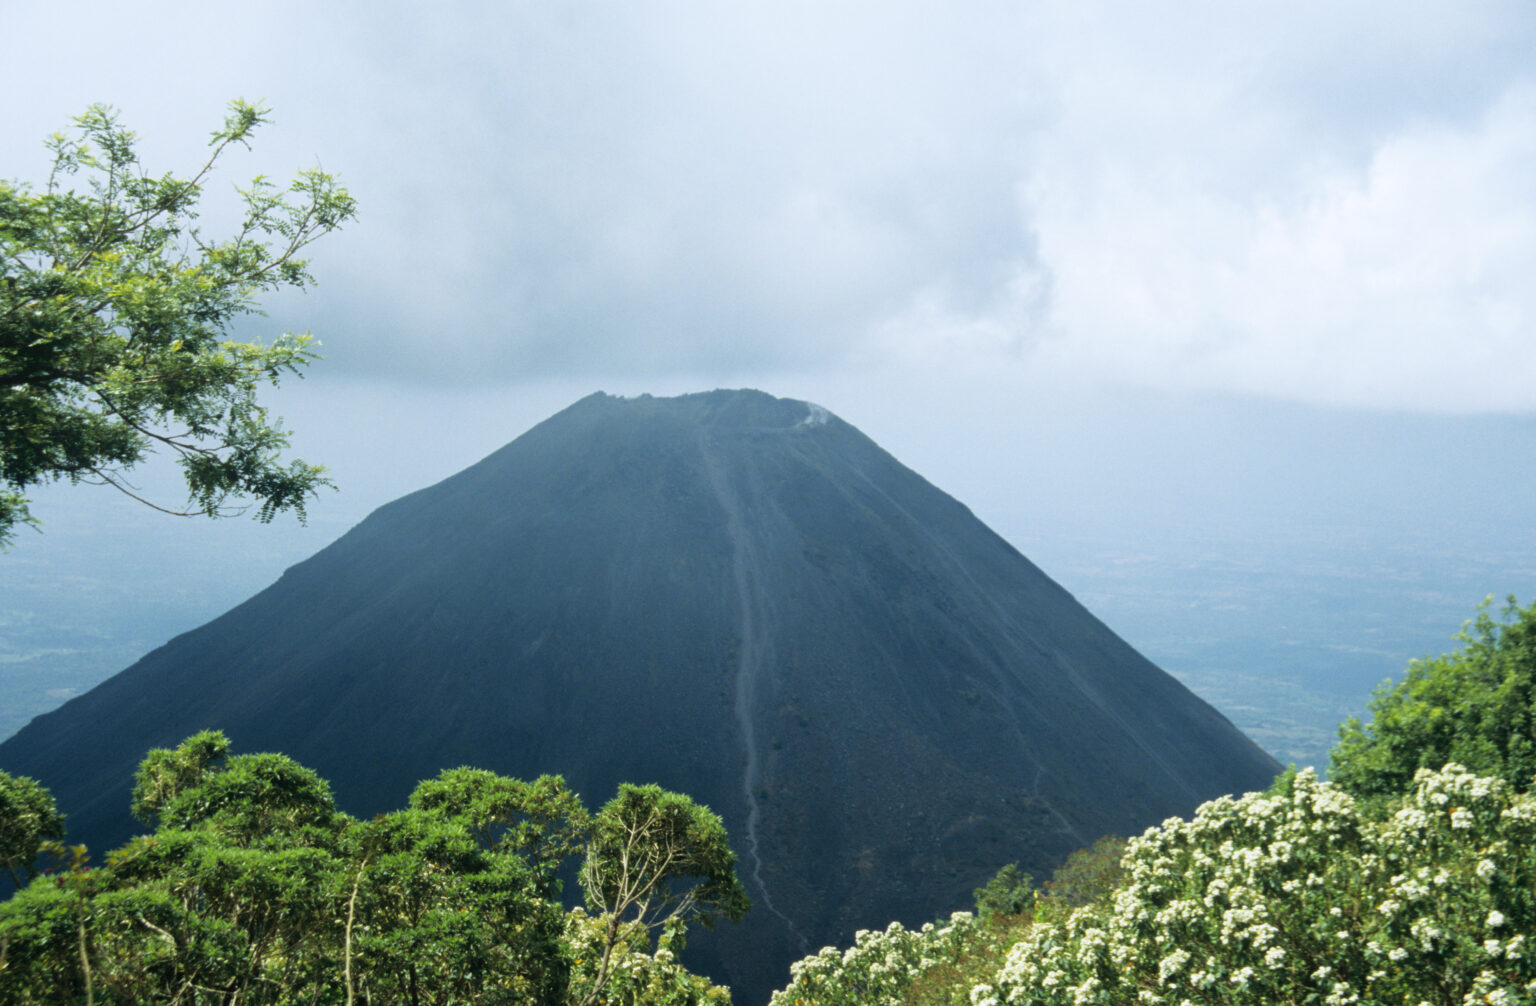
(656, 860)
(437, 917)
(947, 977)
(1475, 707)
(542, 822)
(1010, 892)
(1089, 876)
(635, 975)
(114, 316)
(253, 798)
(166, 772)
(660, 856)
(254, 889)
(182, 916)
(28, 818)
(939, 964)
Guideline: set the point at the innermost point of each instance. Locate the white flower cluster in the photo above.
(633, 975)
(878, 968)
(1297, 897)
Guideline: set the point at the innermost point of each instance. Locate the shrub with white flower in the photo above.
(878, 969)
(1295, 897)
(635, 976)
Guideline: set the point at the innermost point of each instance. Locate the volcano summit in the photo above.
(738, 597)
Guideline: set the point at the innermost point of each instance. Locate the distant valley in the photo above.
(1286, 635)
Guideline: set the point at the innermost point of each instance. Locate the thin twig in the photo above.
(107, 480)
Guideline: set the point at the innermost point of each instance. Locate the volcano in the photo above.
(735, 596)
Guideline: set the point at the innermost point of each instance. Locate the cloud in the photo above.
(664, 188)
(1396, 282)
(1302, 200)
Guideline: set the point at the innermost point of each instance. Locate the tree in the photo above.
(437, 917)
(635, 974)
(542, 822)
(232, 898)
(656, 858)
(114, 324)
(1475, 707)
(254, 889)
(28, 818)
(1010, 892)
(166, 772)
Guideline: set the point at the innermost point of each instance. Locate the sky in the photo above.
(1259, 256)
(1321, 202)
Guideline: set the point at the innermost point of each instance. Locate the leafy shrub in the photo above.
(1475, 707)
(1089, 875)
(1010, 892)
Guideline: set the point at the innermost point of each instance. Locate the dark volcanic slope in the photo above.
(736, 596)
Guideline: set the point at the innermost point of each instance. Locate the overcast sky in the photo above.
(1324, 202)
(992, 223)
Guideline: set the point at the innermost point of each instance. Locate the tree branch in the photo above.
(351, 915)
(85, 966)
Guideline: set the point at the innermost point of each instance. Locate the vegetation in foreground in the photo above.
(254, 889)
(1411, 878)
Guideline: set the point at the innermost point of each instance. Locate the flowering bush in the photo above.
(635, 976)
(1296, 897)
(878, 968)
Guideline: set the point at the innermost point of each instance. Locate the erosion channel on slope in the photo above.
(756, 650)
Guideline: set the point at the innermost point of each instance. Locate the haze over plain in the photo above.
(1213, 312)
